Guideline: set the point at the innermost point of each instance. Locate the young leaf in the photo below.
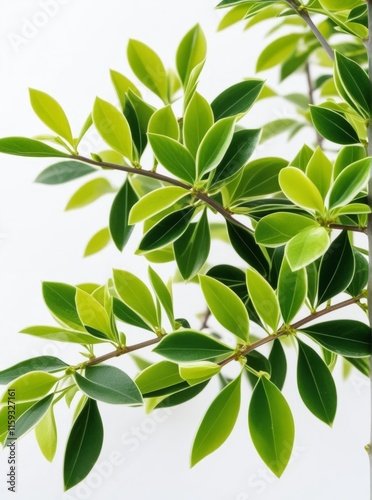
(271, 425)
(187, 345)
(292, 291)
(97, 242)
(31, 386)
(191, 52)
(22, 146)
(59, 334)
(122, 86)
(164, 122)
(333, 126)
(31, 417)
(51, 113)
(46, 434)
(155, 202)
(316, 384)
(64, 171)
(278, 228)
(191, 250)
(336, 268)
(226, 307)
(195, 373)
(157, 377)
(167, 230)
(89, 192)
(113, 127)
(120, 229)
(136, 295)
(306, 247)
(319, 171)
(197, 121)
(84, 445)
(237, 99)
(93, 315)
(278, 364)
(349, 183)
(300, 189)
(347, 156)
(40, 363)
(277, 51)
(263, 298)
(163, 294)
(109, 384)
(60, 300)
(344, 336)
(218, 422)
(173, 156)
(148, 68)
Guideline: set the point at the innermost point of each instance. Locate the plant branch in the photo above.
(319, 138)
(170, 180)
(305, 16)
(349, 228)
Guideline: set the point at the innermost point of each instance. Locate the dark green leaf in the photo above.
(278, 363)
(258, 362)
(63, 172)
(236, 99)
(292, 291)
(40, 363)
(333, 126)
(347, 156)
(360, 278)
(361, 364)
(119, 228)
(127, 315)
(60, 300)
(84, 445)
(182, 396)
(22, 146)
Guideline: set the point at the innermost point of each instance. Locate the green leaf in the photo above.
(232, 16)
(319, 171)
(84, 445)
(277, 51)
(163, 122)
(188, 345)
(277, 127)
(22, 146)
(124, 201)
(59, 334)
(361, 364)
(360, 278)
(122, 85)
(173, 156)
(353, 84)
(349, 183)
(306, 247)
(316, 384)
(257, 362)
(263, 298)
(157, 377)
(89, 192)
(333, 126)
(192, 83)
(237, 99)
(40, 363)
(336, 268)
(163, 294)
(278, 228)
(191, 250)
(259, 178)
(31, 417)
(302, 158)
(181, 396)
(97, 242)
(148, 68)
(46, 434)
(31, 386)
(292, 291)
(113, 127)
(197, 121)
(127, 315)
(218, 422)
(4, 423)
(60, 300)
(271, 425)
(191, 52)
(278, 364)
(347, 156)
(109, 384)
(246, 247)
(169, 229)
(238, 153)
(155, 202)
(343, 336)
(300, 189)
(51, 113)
(195, 373)
(226, 307)
(93, 314)
(136, 295)
(63, 172)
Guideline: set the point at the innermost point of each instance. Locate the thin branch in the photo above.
(319, 138)
(349, 228)
(205, 319)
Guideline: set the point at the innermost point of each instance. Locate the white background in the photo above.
(67, 53)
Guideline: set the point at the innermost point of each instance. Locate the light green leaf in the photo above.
(319, 171)
(349, 183)
(214, 145)
(113, 127)
(300, 189)
(218, 422)
(22, 146)
(155, 202)
(226, 306)
(163, 294)
(122, 86)
(46, 435)
(51, 113)
(98, 242)
(164, 122)
(271, 425)
(136, 295)
(158, 377)
(347, 156)
(59, 334)
(31, 386)
(148, 68)
(60, 300)
(193, 83)
(191, 52)
(89, 192)
(173, 156)
(278, 228)
(277, 51)
(306, 247)
(195, 373)
(197, 121)
(93, 315)
(63, 172)
(31, 417)
(263, 298)
(292, 291)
